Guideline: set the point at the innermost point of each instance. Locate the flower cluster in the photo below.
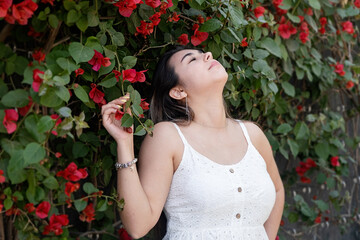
(55, 224)
(2, 178)
(99, 60)
(88, 213)
(198, 36)
(10, 119)
(20, 12)
(303, 168)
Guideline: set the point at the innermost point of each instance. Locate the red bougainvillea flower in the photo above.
(2, 178)
(335, 161)
(144, 105)
(99, 60)
(357, 3)
(38, 55)
(71, 187)
(174, 18)
(51, 2)
(339, 69)
(43, 209)
(79, 72)
(200, 19)
(58, 121)
(183, 39)
(145, 28)
(9, 122)
(323, 21)
(299, 108)
(37, 79)
(153, 3)
(155, 19)
(244, 43)
(317, 219)
(129, 74)
(126, 7)
(4, 6)
(21, 12)
(29, 207)
(286, 29)
(24, 110)
(198, 37)
(58, 154)
(72, 173)
(55, 224)
(88, 213)
(347, 27)
(119, 114)
(33, 33)
(140, 76)
(117, 74)
(277, 3)
(301, 18)
(305, 180)
(259, 11)
(322, 30)
(349, 84)
(309, 11)
(12, 211)
(95, 94)
(123, 234)
(304, 37)
(165, 5)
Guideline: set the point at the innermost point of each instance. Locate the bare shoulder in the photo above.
(255, 132)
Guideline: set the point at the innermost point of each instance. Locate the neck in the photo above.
(209, 112)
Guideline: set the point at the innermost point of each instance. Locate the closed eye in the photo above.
(193, 59)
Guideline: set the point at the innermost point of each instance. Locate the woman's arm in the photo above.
(144, 192)
(262, 145)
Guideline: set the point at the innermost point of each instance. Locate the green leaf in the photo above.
(323, 206)
(67, 64)
(45, 124)
(62, 80)
(53, 20)
(127, 120)
(259, 65)
(16, 98)
(293, 18)
(260, 54)
(80, 150)
(102, 205)
(301, 131)
(81, 94)
(89, 188)
(270, 45)
(283, 128)
(33, 153)
(109, 81)
(64, 111)
(140, 131)
(129, 62)
(8, 203)
(63, 93)
(93, 18)
(210, 25)
(82, 23)
(118, 39)
(80, 53)
(236, 16)
(315, 4)
(294, 147)
(50, 99)
(51, 183)
(288, 88)
(306, 210)
(80, 205)
(322, 150)
(72, 16)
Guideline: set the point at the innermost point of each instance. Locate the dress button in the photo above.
(239, 189)
(231, 170)
(238, 215)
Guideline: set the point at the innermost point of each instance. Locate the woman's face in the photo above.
(198, 72)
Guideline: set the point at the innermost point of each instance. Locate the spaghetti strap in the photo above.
(246, 134)
(180, 134)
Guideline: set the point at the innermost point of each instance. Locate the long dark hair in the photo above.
(163, 107)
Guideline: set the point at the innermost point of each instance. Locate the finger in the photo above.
(121, 100)
(107, 113)
(110, 105)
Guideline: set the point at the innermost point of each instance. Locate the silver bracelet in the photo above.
(125, 165)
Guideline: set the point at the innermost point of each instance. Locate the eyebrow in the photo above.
(189, 54)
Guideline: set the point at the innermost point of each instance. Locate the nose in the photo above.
(208, 56)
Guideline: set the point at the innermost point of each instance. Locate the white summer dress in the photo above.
(209, 201)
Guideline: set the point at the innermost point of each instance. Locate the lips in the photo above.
(214, 63)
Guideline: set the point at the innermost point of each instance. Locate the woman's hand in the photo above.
(111, 124)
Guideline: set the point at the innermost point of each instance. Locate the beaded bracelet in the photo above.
(125, 165)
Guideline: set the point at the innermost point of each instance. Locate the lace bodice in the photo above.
(208, 200)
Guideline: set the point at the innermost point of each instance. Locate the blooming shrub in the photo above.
(62, 60)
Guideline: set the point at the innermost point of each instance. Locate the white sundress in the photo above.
(209, 201)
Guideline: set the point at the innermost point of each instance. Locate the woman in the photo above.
(215, 177)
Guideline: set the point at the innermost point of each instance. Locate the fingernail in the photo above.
(119, 106)
(123, 100)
